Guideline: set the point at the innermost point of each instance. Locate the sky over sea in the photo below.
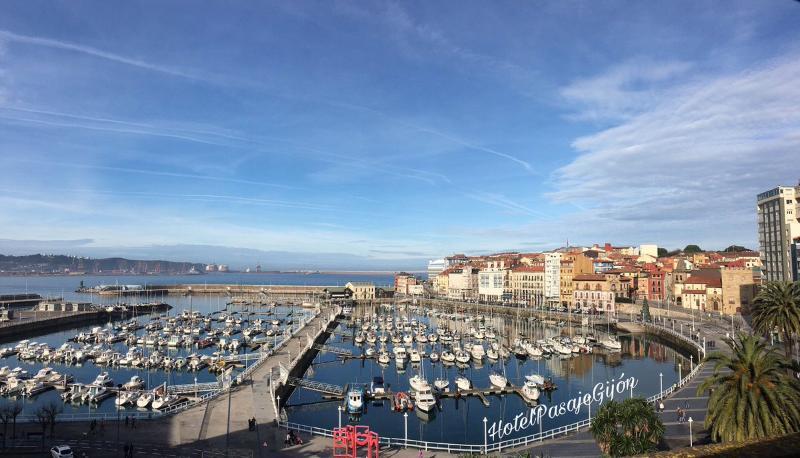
(392, 131)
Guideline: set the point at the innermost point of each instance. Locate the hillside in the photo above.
(52, 264)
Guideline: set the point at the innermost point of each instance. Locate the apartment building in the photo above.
(527, 284)
(778, 213)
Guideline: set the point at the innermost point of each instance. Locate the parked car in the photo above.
(61, 451)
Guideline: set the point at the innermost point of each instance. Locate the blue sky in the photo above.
(392, 130)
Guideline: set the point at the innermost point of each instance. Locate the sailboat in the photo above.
(499, 379)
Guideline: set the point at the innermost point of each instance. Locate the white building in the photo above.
(648, 250)
(778, 228)
(552, 277)
(492, 282)
(463, 283)
(435, 267)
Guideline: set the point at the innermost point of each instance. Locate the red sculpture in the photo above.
(348, 440)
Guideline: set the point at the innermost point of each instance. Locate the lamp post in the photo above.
(340, 415)
(405, 434)
(691, 363)
(691, 442)
(660, 384)
(195, 386)
(485, 437)
(680, 377)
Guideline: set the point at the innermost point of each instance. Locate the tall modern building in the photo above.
(552, 277)
(779, 232)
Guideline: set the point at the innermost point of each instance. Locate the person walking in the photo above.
(678, 413)
(660, 406)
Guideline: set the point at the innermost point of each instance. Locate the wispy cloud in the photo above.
(8, 36)
(698, 152)
(501, 201)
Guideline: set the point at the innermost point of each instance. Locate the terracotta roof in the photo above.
(589, 277)
(528, 269)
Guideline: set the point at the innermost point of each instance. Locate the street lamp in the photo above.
(691, 363)
(339, 408)
(485, 437)
(691, 442)
(660, 383)
(405, 434)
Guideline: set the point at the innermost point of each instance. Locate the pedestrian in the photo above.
(660, 406)
(678, 413)
(421, 455)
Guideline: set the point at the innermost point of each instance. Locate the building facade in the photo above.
(527, 285)
(361, 290)
(778, 229)
(492, 282)
(463, 283)
(592, 292)
(552, 278)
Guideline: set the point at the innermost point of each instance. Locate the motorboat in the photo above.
(530, 391)
(425, 400)
(462, 357)
(135, 383)
(434, 356)
(164, 401)
(124, 398)
(400, 354)
(463, 383)
(354, 399)
(441, 384)
(383, 358)
(415, 356)
(492, 354)
(377, 385)
(103, 379)
(95, 394)
(478, 352)
(145, 399)
(74, 392)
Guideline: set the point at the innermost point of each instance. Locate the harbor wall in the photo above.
(213, 289)
(24, 329)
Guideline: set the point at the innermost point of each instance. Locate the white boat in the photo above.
(95, 394)
(478, 352)
(415, 356)
(462, 357)
(425, 400)
(383, 358)
(135, 383)
(355, 399)
(535, 378)
(497, 379)
(448, 356)
(434, 356)
(400, 354)
(124, 398)
(145, 399)
(611, 343)
(463, 383)
(103, 379)
(74, 392)
(441, 384)
(418, 383)
(492, 354)
(162, 402)
(530, 391)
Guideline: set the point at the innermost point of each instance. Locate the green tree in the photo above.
(662, 252)
(645, 310)
(630, 427)
(777, 307)
(692, 249)
(752, 396)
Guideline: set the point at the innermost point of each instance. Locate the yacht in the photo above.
(383, 358)
(434, 356)
(162, 402)
(425, 400)
(448, 356)
(462, 357)
(400, 355)
(441, 384)
(103, 379)
(611, 343)
(95, 394)
(124, 398)
(74, 392)
(415, 356)
(535, 378)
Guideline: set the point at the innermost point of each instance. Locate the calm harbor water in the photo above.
(86, 372)
(462, 420)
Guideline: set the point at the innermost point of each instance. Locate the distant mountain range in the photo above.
(51, 264)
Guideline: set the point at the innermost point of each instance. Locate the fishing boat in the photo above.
(354, 399)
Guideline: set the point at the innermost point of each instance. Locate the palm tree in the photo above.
(630, 427)
(752, 396)
(777, 305)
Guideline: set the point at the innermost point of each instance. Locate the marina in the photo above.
(434, 373)
(143, 363)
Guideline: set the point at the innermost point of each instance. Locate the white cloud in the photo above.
(691, 159)
(622, 91)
